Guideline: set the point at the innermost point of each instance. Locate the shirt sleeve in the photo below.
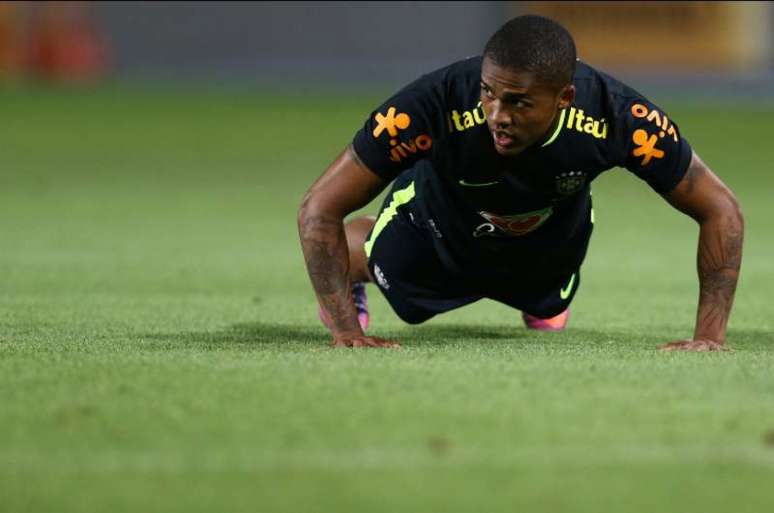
(401, 131)
(655, 151)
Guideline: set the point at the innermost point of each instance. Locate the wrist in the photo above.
(718, 338)
(346, 334)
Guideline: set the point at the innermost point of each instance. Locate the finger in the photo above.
(682, 346)
(386, 343)
(365, 342)
(702, 346)
(371, 342)
(671, 346)
(691, 346)
(697, 346)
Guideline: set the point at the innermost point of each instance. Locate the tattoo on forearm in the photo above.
(327, 260)
(719, 260)
(319, 239)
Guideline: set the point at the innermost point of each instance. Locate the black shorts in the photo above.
(405, 265)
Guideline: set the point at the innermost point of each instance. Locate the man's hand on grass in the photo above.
(363, 341)
(694, 345)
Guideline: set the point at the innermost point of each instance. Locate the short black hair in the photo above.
(536, 44)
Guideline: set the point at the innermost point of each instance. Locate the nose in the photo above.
(498, 116)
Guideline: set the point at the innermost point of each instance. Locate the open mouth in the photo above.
(503, 139)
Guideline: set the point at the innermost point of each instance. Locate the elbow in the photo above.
(726, 215)
(304, 210)
(723, 208)
(733, 211)
(310, 207)
(307, 213)
(315, 214)
(740, 219)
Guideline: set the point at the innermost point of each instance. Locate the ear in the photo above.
(566, 96)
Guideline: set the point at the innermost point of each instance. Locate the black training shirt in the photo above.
(533, 209)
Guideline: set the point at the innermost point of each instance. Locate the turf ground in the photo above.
(159, 347)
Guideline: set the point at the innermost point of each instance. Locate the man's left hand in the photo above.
(694, 345)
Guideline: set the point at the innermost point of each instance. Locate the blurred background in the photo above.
(293, 44)
(125, 122)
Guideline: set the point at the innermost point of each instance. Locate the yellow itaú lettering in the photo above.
(460, 122)
(588, 127)
(579, 117)
(581, 122)
(468, 117)
(399, 198)
(456, 117)
(480, 119)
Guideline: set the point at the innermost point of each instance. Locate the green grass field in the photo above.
(160, 349)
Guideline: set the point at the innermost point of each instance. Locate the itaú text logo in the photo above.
(393, 122)
(467, 119)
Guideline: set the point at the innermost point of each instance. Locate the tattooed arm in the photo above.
(343, 188)
(706, 199)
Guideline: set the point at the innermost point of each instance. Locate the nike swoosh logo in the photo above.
(565, 292)
(468, 184)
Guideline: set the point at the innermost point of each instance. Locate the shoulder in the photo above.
(601, 82)
(601, 94)
(619, 108)
(640, 136)
(405, 127)
(617, 102)
(463, 71)
(433, 97)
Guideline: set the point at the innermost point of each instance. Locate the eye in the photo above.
(519, 104)
(487, 91)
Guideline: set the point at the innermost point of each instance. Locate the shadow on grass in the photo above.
(257, 333)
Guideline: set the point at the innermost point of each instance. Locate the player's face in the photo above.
(519, 110)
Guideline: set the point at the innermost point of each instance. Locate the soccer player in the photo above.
(491, 160)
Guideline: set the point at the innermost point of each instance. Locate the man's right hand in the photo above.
(363, 341)
(343, 188)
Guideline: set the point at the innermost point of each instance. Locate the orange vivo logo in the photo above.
(646, 147)
(392, 121)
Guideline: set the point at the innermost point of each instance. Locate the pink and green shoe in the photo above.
(556, 323)
(361, 305)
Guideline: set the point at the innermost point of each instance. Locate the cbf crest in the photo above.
(570, 182)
